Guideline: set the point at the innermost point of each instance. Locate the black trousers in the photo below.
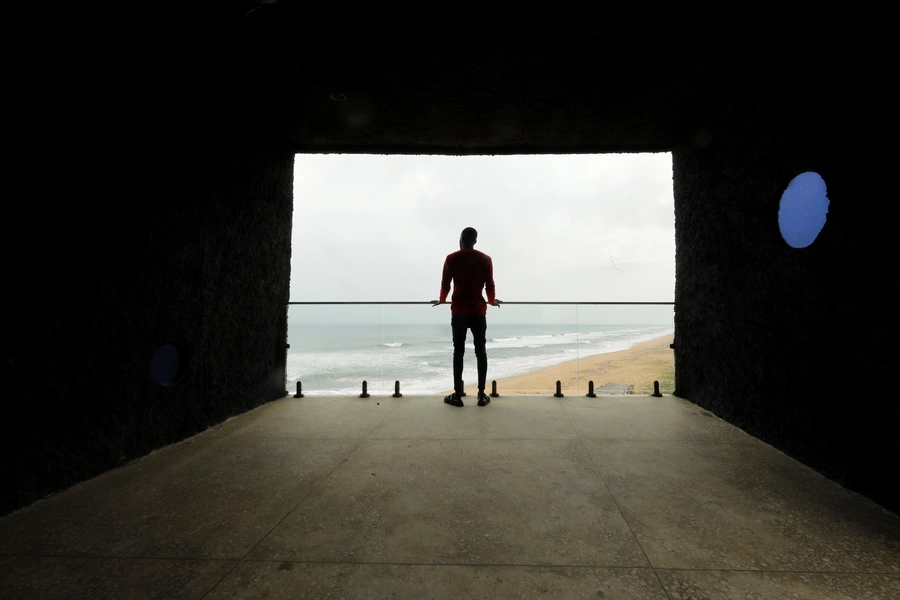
(460, 325)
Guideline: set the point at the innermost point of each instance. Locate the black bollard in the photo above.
(494, 393)
(591, 393)
(558, 393)
(397, 393)
(656, 393)
(365, 393)
(299, 393)
(463, 392)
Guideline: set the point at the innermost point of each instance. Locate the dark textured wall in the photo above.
(791, 345)
(174, 247)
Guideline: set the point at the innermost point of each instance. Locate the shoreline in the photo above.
(638, 366)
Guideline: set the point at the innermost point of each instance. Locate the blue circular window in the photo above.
(165, 364)
(803, 208)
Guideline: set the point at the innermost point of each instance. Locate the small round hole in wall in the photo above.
(165, 364)
(803, 209)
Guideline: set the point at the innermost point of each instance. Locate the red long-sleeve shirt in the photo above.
(471, 271)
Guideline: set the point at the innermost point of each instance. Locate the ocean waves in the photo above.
(540, 341)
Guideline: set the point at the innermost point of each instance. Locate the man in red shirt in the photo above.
(471, 271)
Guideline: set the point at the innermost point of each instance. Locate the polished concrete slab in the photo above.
(455, 502)
(531, 496)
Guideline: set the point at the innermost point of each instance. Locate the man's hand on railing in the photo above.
(436, 302)
(496, 302)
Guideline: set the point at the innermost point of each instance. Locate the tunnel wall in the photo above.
(791, 345)
(188, 248)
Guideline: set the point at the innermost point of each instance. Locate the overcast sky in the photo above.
(596, 227)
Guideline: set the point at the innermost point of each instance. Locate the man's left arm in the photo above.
(489, 286)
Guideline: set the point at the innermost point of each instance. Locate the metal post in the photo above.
(591, 393)
(463, 390)
(494, 393)
(299, 393)
(558, 393)
(656, 393)
(397, 393)
(365, 393)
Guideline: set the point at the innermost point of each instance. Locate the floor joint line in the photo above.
(616, 502)
(299, 502)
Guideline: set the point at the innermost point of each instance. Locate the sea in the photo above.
(334, 359)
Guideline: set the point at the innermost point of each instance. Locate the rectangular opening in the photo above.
(559, 228)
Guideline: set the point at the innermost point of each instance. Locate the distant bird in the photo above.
(612, 260)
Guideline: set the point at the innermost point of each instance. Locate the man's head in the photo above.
(467, 238)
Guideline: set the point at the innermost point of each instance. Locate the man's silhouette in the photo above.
(471, 271)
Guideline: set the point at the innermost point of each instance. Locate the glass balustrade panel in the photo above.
(618, 349)
(334, 348)
(623, 349)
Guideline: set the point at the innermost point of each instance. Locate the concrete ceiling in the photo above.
(572, 78)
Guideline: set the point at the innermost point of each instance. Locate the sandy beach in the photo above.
(639, 366)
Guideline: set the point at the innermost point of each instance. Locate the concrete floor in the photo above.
(530, 497)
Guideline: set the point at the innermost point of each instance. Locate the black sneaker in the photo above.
(483, 399)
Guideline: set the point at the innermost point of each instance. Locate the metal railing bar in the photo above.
(360, 302)
(583, 303)
(502, 302)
